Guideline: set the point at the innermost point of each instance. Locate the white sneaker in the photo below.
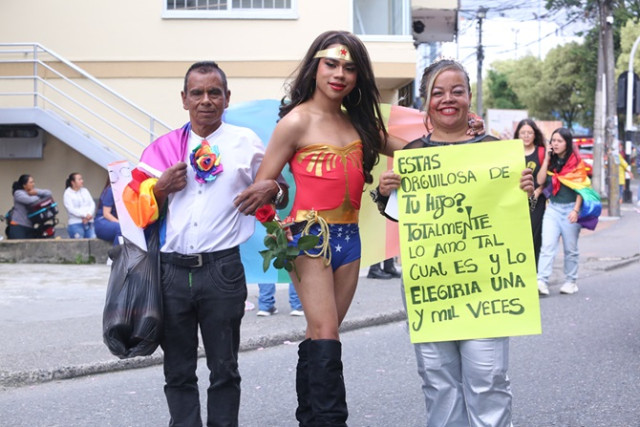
(265, 313)
(296, 313)
(543, 289)
(248, 306)
(569, 288)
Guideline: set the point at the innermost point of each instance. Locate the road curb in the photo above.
(40, 376)
(622, 263)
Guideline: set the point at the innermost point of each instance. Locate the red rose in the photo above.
(265, 213)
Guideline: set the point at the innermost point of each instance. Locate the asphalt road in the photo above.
(583, 371)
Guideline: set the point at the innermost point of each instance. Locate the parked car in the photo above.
(585, 148)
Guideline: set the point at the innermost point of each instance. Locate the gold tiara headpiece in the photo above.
(337, 52)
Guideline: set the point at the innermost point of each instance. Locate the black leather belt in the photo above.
(195, 260)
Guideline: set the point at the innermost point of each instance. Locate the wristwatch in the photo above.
(379, 199)
(277, 199)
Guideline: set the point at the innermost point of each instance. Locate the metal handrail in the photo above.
(67, 73)
(80, 88)
(92, 128)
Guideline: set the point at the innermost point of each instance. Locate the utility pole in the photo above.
(598, 174)
(611, 118)
(482, 13)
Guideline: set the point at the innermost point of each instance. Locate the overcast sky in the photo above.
(511, 30)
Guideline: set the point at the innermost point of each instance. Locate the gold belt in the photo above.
(333, 216)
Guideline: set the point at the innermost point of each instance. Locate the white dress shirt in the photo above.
(202, 217)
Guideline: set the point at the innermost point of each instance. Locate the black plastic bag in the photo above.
(132, 317)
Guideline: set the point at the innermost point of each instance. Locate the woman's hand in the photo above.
(526, 182)
(389, 181)
(573, 216)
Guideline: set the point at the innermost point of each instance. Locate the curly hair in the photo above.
(362, 103)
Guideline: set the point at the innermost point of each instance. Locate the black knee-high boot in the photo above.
(326, 383)
(304, 414)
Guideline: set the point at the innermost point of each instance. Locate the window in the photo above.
(230, 9)
(382, 17)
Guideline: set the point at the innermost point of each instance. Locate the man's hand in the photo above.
(172, 180)
(526, 182)
(257, 194)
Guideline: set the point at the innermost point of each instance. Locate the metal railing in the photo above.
(34, 76)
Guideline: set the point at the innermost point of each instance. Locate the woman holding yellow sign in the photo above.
(465, 382)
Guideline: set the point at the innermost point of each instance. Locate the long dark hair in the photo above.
(362, 104)
(70, 179)
(538, 138)
(20, 183)
(568, 138)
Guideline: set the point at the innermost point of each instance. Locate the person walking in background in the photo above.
(107, 224)
(267, 300)
(465, 382)
(187, 180)
(534, 151)
(24, 194)
(80, 207)
(624, 173)
(561, 216)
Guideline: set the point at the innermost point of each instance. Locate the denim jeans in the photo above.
(211, 297)
(107, 230)
(81, 231)
(555, 224)
(267, 299)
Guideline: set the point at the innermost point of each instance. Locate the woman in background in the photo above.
(106, 224)
(80, 207)
(534, 152)
(561, 215)
(24, 194)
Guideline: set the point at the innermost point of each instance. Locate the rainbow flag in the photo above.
(379, 235)
(574, 176)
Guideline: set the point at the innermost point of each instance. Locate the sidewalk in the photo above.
(51, 314)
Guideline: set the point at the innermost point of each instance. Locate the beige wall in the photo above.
(124, 29)
(132, 49)
(50, 172)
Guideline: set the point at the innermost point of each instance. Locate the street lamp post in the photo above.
(629, 119)
(482, 13)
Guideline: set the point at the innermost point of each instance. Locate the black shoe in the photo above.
(393, 273)
(390, 268)
(375, 272)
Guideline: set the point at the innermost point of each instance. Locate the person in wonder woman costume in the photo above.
(331, 134)
(331, 152)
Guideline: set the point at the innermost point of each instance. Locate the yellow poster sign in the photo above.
(465, 237)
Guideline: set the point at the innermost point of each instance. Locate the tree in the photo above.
(499, 92)
(602, 12)
(566, 85)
